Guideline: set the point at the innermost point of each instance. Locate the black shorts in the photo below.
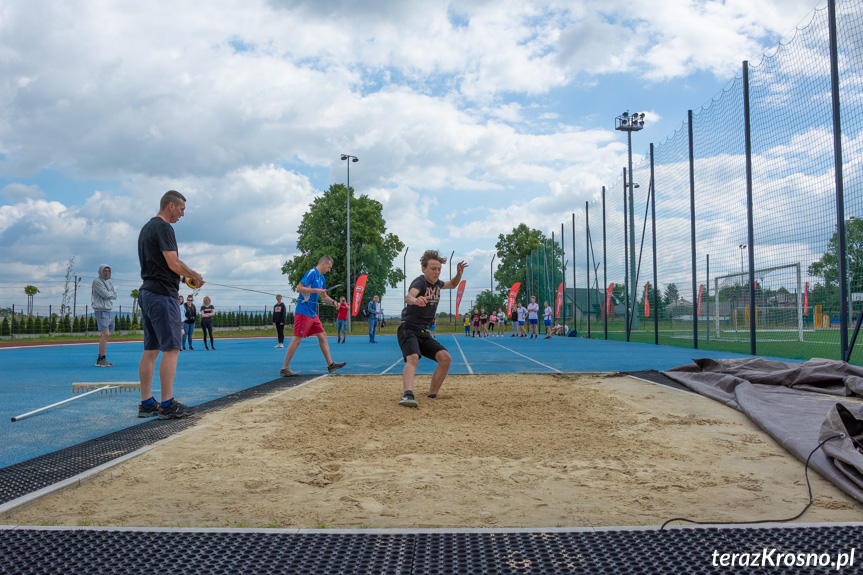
(415, 342)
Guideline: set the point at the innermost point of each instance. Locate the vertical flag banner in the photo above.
(459, 293)
(559, 300)
(358, 293)
(647, 299)
(510, 301)
(608, 298)
(700, 291)
(806, 301)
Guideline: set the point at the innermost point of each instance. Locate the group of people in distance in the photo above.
(482, 324)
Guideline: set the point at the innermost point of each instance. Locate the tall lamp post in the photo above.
(491, 274)
(349, 288)
(630, 123)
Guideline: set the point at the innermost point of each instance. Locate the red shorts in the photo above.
(305, 326)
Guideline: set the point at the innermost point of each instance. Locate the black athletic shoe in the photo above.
(148, 411)
(175, 411)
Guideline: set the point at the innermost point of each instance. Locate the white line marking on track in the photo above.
(390, 367)
(455, 339)
(292, 388)
(524, 356)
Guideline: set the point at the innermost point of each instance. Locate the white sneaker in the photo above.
(278, 345)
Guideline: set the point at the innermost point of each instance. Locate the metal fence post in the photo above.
(692, 232)
(604, 268)
(750, 225)
(587, 267)
(841, 247)
(626, 278)
(655, 272)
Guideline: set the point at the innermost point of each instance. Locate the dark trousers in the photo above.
(280, 331)
(207, 328)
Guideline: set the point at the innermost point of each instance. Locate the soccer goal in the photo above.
(778, 314)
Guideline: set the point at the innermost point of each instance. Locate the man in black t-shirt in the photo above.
(414, 336)
(162, 272)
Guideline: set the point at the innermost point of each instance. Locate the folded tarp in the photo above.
(795, 403)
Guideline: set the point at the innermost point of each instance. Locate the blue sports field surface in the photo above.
(37, 376)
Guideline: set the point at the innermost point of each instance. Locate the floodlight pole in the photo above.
(349, 287)
(631, 123)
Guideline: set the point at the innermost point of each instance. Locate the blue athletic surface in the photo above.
(35, 377)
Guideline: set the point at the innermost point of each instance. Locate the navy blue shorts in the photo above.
(416, 342)
(534, 321)
(160, 320)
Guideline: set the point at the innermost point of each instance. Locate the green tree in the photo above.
(323, 231)
(134, 296)
(671, 294)
(490, 301)
(513, 249)
(30, 291)
(828, 266)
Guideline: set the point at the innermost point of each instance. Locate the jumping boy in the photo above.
(413, 333)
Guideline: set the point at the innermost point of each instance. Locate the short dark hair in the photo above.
(325, 259)
(429, 255)
(170, 197)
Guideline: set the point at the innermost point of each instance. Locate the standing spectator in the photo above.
(492, 320)
(375, 313)
(522, 316)
(342, 320)
(103, 298)
(466, 325)
(533, 317)
(501, 322)
(181, 301)
(280, 314)
(474, 321)
(311, 288)
(546, 314)
(207, 313)
(191, 314)
(514, 319)
(162, 270)
(483, 323)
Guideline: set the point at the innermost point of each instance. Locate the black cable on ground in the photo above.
(808, 486)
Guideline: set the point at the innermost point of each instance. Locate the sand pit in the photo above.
(492, 451)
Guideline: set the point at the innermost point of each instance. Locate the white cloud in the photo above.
(19, 192)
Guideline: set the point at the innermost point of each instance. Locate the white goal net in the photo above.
(776, 312)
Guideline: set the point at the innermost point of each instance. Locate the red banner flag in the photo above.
(510, 301)
(358, 293)
(700, 291)
(806, 301)
(647, 299)
(459, 293)
(608, 298)
(559, 305)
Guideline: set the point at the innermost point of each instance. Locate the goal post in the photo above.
(778, 304)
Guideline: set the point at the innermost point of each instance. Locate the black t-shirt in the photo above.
(208, 309)
(280, 312)
(157, 236)
(421, 317)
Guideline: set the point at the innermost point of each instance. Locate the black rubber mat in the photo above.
(28, 476)
(631, 552)
(656, 377)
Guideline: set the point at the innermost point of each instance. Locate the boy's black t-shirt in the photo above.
(157, 236)
(418, 317)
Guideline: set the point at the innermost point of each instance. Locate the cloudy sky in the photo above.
(467, 117)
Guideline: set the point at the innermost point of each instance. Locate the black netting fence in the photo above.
(729, 238)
